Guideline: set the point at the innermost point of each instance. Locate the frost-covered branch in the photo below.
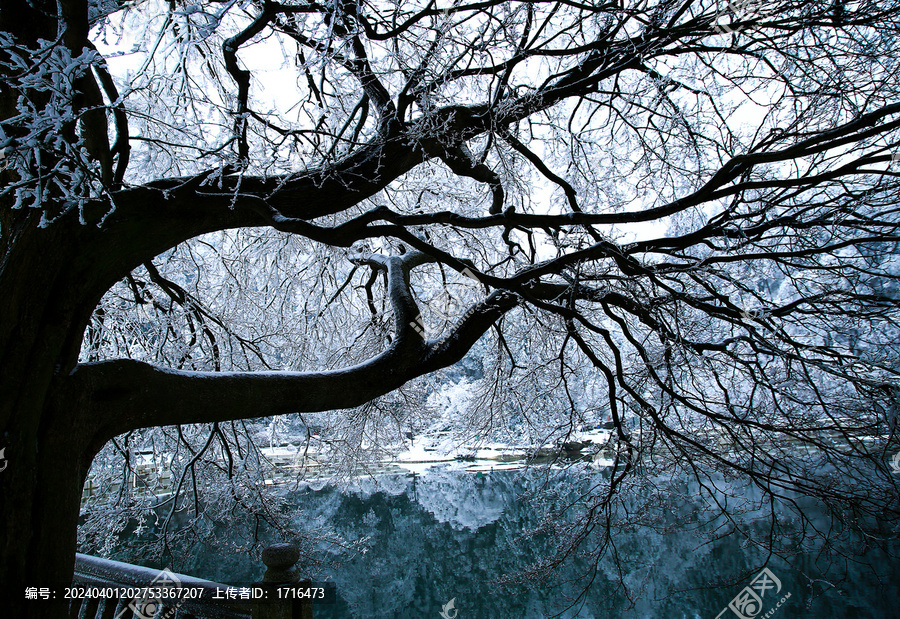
(125, 394)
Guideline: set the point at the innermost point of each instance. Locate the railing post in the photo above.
(281, 569)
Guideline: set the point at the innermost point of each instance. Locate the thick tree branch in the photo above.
(125, 394)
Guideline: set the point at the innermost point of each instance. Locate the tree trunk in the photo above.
(41, 498)
(47, 440)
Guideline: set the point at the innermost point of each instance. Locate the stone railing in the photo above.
(205, 601)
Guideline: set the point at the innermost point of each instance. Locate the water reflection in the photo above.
(452, 534)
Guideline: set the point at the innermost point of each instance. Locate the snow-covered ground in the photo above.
(442, 447)
(290, 462)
